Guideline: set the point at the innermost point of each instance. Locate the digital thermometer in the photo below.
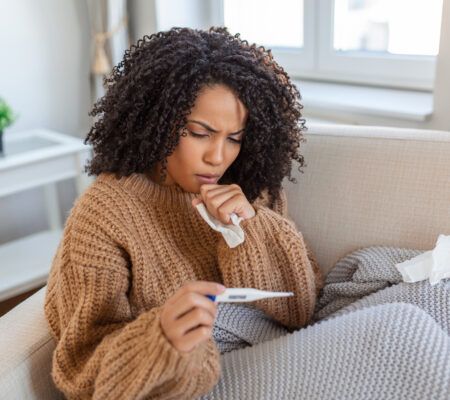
(235, 295)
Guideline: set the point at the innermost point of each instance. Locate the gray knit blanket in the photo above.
(373, 336)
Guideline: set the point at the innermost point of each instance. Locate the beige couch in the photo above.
(362, 186)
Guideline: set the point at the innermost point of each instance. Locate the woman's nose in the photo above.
(215, 153)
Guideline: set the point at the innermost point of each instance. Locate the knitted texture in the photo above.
(374, 337)
(241, 325)
(128, 245)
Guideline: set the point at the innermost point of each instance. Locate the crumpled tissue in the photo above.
(232, 233)
(433, 264)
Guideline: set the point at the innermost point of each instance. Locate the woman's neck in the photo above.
(155, 176)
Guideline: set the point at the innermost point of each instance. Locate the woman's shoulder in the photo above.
(105, 187)
(101, 210)
(96, 189)
(104, 196)
(280, 203)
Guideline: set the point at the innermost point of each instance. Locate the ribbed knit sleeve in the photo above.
(274, 257)
(103, 351)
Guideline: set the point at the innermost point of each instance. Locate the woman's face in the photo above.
(218, 118)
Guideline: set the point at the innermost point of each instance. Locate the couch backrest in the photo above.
(365, 186)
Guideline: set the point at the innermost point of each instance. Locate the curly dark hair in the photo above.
(150, 93)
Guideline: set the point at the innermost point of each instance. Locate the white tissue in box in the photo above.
(433, 264)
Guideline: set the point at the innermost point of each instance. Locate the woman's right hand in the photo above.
(187, 318)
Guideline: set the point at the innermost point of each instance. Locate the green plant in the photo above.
(6, 115)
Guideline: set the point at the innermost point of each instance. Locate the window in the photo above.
(277, 23)
(379, 42)
(381, 26)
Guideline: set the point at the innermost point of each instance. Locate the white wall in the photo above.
(44, 76)
(192, 13)
(44, 73)
(150, 16)
(142, 16)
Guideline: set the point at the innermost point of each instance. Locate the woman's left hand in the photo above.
(222, 200)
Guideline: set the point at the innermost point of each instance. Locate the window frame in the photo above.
(318, 60)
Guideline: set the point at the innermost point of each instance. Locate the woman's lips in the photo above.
(205, 179)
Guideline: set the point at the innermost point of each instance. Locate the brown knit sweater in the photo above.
(128, 245)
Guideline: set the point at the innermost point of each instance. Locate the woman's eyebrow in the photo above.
(211, 129)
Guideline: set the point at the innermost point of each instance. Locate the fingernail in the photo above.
(221, 287)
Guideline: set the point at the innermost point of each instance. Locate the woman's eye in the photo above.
(197, 134)
(202, 136)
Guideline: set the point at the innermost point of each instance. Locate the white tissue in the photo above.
(441, 260)
(232, 233)
(417, 268)
(433, 264)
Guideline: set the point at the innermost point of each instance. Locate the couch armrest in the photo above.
(26, 349)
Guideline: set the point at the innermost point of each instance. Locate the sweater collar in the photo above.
(173, 196)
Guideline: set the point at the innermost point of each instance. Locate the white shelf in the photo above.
(29, 260)
(37, 158)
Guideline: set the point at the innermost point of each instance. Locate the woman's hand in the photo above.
(187, 318)
(222, 200)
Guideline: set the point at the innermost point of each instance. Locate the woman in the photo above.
(189, 116)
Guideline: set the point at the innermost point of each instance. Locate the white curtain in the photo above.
(109, 39)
